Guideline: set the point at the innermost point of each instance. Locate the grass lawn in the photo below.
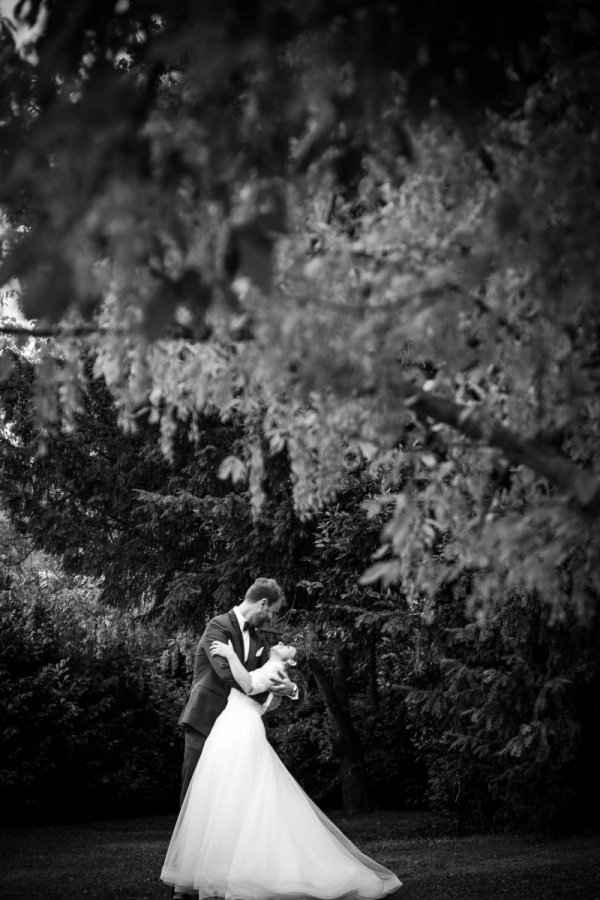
(122, 859)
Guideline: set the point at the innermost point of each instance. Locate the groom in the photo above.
(212, 676)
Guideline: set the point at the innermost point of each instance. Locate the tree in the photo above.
(366, 237)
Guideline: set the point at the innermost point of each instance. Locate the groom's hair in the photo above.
(264, 587)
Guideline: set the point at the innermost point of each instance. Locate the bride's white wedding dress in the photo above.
(247, 830)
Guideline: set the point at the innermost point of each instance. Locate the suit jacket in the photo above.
(212, 676)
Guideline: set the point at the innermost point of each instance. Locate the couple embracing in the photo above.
(246, 829)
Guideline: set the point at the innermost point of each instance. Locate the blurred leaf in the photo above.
(233, 468)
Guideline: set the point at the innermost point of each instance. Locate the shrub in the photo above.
(89, 702)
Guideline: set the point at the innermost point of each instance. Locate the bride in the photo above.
(246, 829)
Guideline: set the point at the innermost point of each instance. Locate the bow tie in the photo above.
(249, 627)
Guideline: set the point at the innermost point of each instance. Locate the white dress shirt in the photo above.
(245, 634)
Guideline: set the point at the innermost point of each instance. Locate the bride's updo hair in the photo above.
(300, 658)
(267, 588)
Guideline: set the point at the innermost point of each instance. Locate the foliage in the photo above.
(89, 703)
(504, 714)
(316, 217)
(159, 534)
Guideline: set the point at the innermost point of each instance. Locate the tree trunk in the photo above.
(346, 742)
(353, 781)
(373, 689)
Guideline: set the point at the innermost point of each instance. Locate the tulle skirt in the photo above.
(247, 830)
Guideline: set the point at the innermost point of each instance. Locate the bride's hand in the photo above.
(218, 648)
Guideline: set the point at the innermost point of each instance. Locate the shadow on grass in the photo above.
(122, 859)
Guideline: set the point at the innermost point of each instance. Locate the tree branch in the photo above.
(75, 331)
(580, 486)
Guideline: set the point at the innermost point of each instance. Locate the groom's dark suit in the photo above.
(212, 683)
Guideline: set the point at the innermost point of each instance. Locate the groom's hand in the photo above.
(284, 687)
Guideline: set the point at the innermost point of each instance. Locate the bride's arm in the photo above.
(241, 675)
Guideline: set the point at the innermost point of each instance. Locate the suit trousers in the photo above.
(194, 744)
